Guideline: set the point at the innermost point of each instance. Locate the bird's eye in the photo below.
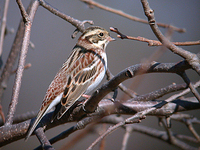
(101, 34)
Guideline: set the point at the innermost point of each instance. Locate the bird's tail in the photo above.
(34, 125)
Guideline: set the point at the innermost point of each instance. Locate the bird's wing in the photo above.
(83, 70)
(69, 84)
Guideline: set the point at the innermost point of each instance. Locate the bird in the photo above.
(81, 73)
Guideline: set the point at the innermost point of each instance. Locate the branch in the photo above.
(18, 131)
(3, 25)
(188, 120)
(141, 114)
(121, 13)
(126, 137)
(129, 92)
(151, 42)
(161, 92)
(46, 145)
(78, 24)
(192, 59)
(22, 117)
(12, 56)
(108, 106)
(161, 135)
(24, 50)
(24, 14)
(91, 104)
(190, 85)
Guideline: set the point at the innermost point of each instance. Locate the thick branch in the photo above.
(131, 72)
(106, 107)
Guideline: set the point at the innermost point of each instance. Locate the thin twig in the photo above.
(161, 92)
(27, 66)
(153, 57)
(24, 14)
(2, 115)
(126, 137)
(3, 25)
(192, 58)
(173, 97)
(103, 141)
(110, 130)
(12, 55)
(24, 50)
(191, 128)
(121, 13)
(190, 85)
(129, 92)
(75, 22)
(168, 131)
(46, 145)
(151, 42)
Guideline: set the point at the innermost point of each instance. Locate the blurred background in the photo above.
(51, 36)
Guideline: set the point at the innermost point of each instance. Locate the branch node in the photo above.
(129, 73)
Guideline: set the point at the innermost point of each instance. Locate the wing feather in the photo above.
(80, 74)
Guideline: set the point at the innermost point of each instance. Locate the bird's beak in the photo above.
(110, 39)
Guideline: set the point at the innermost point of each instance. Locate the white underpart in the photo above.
(100, 77)
(38, 119)
(53, 103)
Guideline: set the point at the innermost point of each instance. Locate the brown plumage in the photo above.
(82, 72)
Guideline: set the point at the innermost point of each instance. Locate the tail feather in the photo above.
(41, 114)
(62, 111)
(34, 125)
(32, 128)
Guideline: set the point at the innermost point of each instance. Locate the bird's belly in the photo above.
(97, 81)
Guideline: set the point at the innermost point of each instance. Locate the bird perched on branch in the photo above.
(82, 72)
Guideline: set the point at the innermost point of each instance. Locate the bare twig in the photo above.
(91, 104)
(80, 125)
(2, 114)
(3, 25)
(191, 128)
(111, 129)
(161, 92)
(19, 131)
(24, 50)
(78, 24)
(129, 92)
(151, 42)
(192, 58)
(24, 14)
(126, 137)
(121, 13)
(46, 145)
(161, 135)
(190, 85)
(173, 97)
(153, 57)
(12, 56)
(27, 66)
(168, 131)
